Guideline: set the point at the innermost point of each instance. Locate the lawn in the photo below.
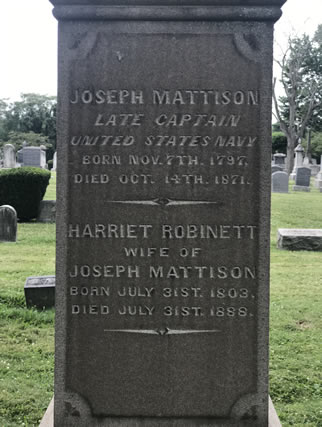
(27, 336)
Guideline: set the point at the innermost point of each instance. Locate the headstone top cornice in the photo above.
(169, 10)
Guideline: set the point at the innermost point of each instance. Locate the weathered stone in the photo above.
(54, 168)
(276, 169)
(8, 224)
(295, 239)
(298, 162)
(279, 158)
(318, 179)
(47, 211)
(9, 156)
(164, 155)
(302, 179)
(280, 182)
(40, 291)
(34, 156)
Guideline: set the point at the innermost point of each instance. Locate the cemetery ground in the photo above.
(27, 336)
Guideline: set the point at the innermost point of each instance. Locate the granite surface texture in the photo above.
(280, 182)
(40, 291)
(299, 239)
(163, 213)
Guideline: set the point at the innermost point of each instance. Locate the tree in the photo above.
(316, 145)
(301, 78)
(31, 119)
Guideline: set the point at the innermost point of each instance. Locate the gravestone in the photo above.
(318, 178)
(54, 168)
(280, 182)
(298, 162)
(40, 292)
(9, 156)
(47, 211)
(279, 158)
(34, 156)
(164, 149)
(302, 179)
(20, 157)
(8, 224)
(276, 169)
(298, 239)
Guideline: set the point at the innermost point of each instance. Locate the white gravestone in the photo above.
(54, 162)
(299, 152)
(9, 156)
(318, 179)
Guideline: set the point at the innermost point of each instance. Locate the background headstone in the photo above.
(162, 284)
(279, 159)
(9, 156)
(34, 156)
(280, 182)
(302, 179)
(40, 291)
(318, 179)
(298, 162)
(276, 169)
(47, 211)
(295, 239)
(8, 224)
(54, 168)
(20, 157)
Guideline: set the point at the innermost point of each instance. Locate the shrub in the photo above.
(279, 142)
(23, 188)
(50, 164)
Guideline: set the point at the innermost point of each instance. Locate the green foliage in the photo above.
(302, 82)
(32, 119)
(31, 138)
(279, 142)
(26, 336)
(23, 188)
(50, 164)
(316, 145)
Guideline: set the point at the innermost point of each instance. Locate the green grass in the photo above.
(51, 189)
(27, 336)
(296, 321)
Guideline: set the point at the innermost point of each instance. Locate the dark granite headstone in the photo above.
(40, 291)
(20, 157)
(302, 179)
(280, 182)
(164, 148)
(279, 158)
(8, 224)
(299, 239)
(34, 156)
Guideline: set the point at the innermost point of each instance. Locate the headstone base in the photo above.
(301, 188)
(294, 239)
(318, 183)
(48, 418)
